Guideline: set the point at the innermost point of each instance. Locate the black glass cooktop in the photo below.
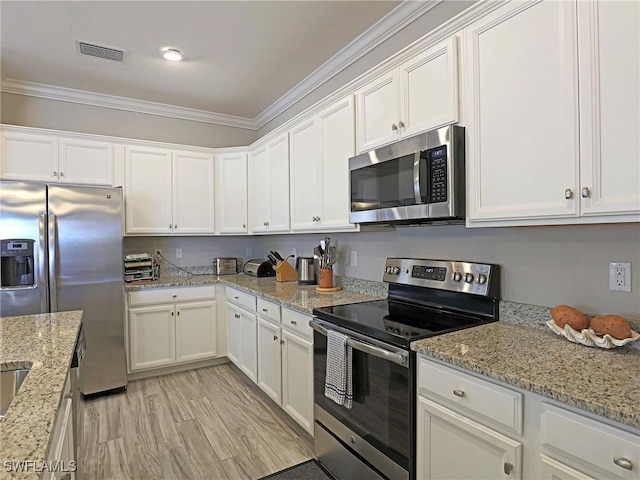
(396, 323)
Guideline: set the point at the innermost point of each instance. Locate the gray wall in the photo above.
(540, 265)
(74, 117)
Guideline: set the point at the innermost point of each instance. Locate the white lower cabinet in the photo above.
(471, 427)
(162, 334)
(270, 359)
(297, 378)
(242, 333)
(61, 452)
(456, 416)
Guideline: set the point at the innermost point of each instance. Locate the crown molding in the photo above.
(84, 97)
(398, 18)
(387, 26)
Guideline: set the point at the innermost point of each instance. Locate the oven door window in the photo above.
(384, 185)
(381, 404)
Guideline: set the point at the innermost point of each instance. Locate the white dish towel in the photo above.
(338, 385)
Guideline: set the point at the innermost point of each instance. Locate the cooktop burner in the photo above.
(426, 298)
(396, 323)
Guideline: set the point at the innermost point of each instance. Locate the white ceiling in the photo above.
(241, 56)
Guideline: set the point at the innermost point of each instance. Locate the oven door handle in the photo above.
(397, 358)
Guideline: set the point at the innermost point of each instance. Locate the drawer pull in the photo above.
(508, 468)
(293, 322)
(265, 310)
(174, 295)
(236, 298)
(623, 462)
(458, 393)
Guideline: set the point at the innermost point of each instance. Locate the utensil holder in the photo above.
(285, 272)
(325, 278)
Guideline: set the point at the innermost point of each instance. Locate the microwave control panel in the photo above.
(437, 161)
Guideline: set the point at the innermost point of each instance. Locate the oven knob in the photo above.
(396, 270)
(457, 276)
(468, 277)
(388, 269)
(482, 279)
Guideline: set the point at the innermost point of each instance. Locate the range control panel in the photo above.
(455, 276)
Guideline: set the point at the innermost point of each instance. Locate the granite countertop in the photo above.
(600, 381)
(299, 297)
(44, 343)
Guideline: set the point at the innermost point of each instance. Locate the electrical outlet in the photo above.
(248, 252)
(178, 253)
(353, 259)
(157, 253)
(620, 276)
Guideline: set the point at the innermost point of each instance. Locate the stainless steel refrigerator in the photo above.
(61, 251)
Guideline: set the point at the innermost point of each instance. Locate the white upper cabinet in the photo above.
(43, 158)
(419, 95)
(551, 92)
(320, 148)
(148, 187)
(231, 193)
(521, 112)
(270, 186)
(168, 192)
(609, 41)
(193, 196)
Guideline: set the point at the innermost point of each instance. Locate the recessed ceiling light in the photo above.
(170, 53)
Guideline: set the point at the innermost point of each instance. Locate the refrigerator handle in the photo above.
(53, 247)
(42, 275)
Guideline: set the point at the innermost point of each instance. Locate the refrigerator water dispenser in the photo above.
(16, 263)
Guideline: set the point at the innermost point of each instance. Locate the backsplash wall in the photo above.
(540, 265)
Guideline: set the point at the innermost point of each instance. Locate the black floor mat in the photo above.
(309, 470)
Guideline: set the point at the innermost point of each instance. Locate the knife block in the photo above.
(285, 272)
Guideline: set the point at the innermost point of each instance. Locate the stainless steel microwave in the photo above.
(413, 181)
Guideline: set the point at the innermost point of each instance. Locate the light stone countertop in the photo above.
(600, 381)
(45, 344)
(298, 297)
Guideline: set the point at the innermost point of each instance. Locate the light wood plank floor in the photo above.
(209, 423)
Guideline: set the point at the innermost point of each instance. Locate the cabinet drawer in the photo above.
(243, 299)
(571, 437)
(269, 310)
(297, 322)
(460, 391)
(171, 295)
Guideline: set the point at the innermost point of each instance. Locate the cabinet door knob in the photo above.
(172, 314)
(458, 393)
(281, 342)
(275, 337)
(175, 295)
(236, 298)
(401, 124)
(55, 174)
(178, 312)
(508, 468)
(586, 193)
(568, 194)
(394, 127)
(62, 174)
(265, 310)
(244, 225)
(293, 322)
(623, 462)
(175, 226)
(170, 228)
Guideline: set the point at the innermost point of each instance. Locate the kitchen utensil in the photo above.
(331, 257)
(306, 268)
(277, 255)
(272, 259)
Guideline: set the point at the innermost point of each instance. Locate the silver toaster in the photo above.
(225, 265)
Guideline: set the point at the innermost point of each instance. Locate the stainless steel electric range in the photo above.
(375, 438)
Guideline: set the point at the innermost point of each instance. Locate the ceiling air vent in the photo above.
(100, 52)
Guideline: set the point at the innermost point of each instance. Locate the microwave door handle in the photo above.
(416, 178)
